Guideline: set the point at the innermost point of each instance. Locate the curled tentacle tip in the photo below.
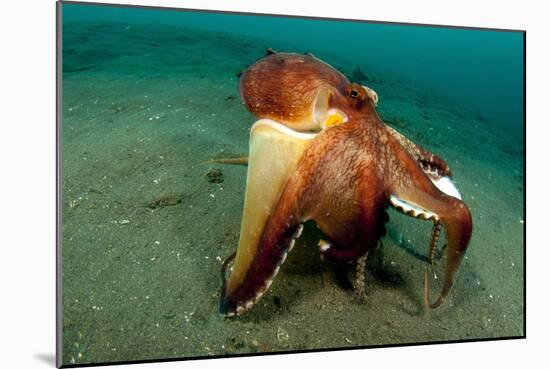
(229, 307)
(427, 291)
(439, 301)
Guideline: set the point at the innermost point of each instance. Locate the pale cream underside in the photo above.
(274, 154)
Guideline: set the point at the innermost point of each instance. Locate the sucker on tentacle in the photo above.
(360, 270)
(436, 230)
(412, 210)
(324, 245)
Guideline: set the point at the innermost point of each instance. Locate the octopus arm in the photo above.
(413, 189)
(274, 154)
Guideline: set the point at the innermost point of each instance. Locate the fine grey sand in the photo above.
(147, 223)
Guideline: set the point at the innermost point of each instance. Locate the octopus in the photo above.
(320, 152)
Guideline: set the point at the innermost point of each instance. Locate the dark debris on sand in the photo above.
(215, 176)
(165, 200)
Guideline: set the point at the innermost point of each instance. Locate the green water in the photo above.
(150, 95)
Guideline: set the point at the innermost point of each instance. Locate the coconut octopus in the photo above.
(320, 152)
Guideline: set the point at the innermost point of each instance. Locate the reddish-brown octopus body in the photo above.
(321, 152)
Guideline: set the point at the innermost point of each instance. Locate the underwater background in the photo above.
(149, 96)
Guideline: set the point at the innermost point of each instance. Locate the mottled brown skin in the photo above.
(345, 179)
(288, 97)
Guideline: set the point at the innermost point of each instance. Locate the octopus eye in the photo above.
(354, 93)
